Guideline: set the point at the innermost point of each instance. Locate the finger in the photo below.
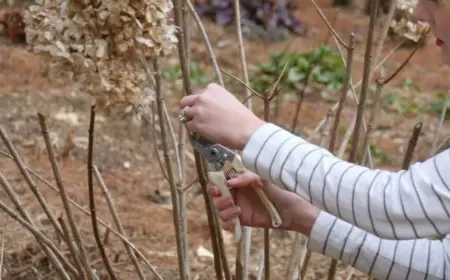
(191, 126)
(223, 202)
(188, 100)
(245, 180)
(213, 190)
(228, 226)
(229, 214)
(234, 194)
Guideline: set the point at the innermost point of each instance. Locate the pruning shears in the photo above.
(225, 164)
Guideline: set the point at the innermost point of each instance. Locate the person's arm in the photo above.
(380, 258)
(398, 205)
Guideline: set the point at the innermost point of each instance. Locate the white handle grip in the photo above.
(273, 212)
(275, 217)
(218, 178)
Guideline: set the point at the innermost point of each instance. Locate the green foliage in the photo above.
(409, 84)
(325, 64)
(197, 74)
(402, 106)
(378, 154)
(437, 105)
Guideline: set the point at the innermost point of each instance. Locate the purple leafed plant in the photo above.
(266, 14)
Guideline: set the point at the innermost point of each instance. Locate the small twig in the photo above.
(353, 87)
(62, 190)
(39, 236)
(328, 24)
(206, 41)
(440, 146)
(384, 32)
(181, 195)
(91, 195)
(188, 186)
(365, 82)
(3, 247)
(116, 219)
(72, 249)
(441, 122)
(237, 17)
(182, 46)
(170, 173)
(21, 209)
(213, 228)
(373, 113)
(181, 156)
(344, 91)
(301, 93)
(332, 269)
(254, 92)
(79, 207)
(153, 121)
(30, 182)
(411, 146)
(106, 236)
(275, 89)
(422, 37)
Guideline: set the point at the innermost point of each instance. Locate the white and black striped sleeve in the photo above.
(380, 258)
(409, 204)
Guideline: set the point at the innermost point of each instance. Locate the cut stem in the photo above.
(98, 239)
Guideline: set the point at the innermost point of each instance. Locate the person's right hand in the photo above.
(247, 205)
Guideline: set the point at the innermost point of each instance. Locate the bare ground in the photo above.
(125, 153)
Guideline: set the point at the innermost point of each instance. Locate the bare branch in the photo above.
(441, 121)
(40, 237)
(206, 40)
(91, 196)
(422, 37)
(344, 91)
(123, 238)
(73, 250)
(170, 173)
(62, 191)
(411, 146)
(30, 182)
(365, 81)
(328, 24)
(116, 219)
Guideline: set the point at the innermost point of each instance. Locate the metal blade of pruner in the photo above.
(216, 154)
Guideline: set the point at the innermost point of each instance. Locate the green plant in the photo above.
(197, 73)
(437, 105)
(378, 154)
(325, 64)
(402, 106)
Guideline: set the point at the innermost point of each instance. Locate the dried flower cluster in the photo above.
(404, 24)
(96, 43)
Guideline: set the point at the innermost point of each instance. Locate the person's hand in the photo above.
(296, 213)
(220, 117)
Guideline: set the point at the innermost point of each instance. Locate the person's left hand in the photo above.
(218, 116)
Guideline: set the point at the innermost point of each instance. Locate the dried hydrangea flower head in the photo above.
(95, 42)
(404, 24)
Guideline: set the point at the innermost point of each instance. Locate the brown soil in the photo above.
(126, 156)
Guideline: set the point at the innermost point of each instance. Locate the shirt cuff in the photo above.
(261, 149)
(335, 238)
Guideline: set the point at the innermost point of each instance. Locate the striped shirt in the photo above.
(362, 206)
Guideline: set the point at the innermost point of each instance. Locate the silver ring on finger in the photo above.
(183, 115)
